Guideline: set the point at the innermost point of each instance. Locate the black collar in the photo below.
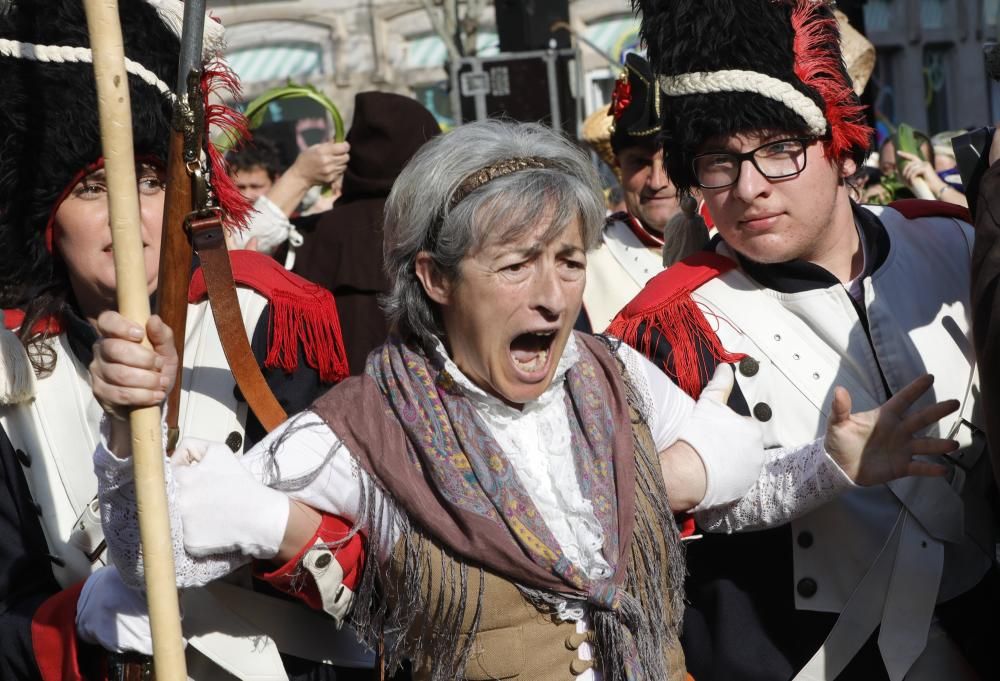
(797, 276)
(80, 334)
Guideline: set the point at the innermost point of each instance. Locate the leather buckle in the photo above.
(205, 229)
(130, 667)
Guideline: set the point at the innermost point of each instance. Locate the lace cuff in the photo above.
(120, 519)
(793, 481)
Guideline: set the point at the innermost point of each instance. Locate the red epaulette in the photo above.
(681, 278)
(665, 305)
(923, 208)
(14, 318)
(301, 313)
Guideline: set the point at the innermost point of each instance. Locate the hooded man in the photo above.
(344, 250)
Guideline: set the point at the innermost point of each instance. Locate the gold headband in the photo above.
(492, 172)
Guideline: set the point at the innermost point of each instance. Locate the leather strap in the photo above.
(209, 242)
(175, 271)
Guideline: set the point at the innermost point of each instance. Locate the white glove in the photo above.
(223, 507)
(113, 615)
(730, 446)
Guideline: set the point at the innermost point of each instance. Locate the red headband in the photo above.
(77, 178)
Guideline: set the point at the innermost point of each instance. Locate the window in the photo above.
(937, 69)
(878, 15)
(884, 78)
(933, 14)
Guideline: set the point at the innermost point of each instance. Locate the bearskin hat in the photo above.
(636, 105)
(49, 128)
(732, 66)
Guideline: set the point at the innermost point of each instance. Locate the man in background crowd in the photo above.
(637, 244)
(256, 169)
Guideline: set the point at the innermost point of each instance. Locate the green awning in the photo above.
(614, 35)
(276, 62)
(428, 51)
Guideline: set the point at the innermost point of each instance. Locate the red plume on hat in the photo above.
(819, 66)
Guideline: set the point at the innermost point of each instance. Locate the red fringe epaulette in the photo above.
(665, 304)
(301, 312)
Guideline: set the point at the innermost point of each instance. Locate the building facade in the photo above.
(930, 69)
(929, 73)
(344, 46)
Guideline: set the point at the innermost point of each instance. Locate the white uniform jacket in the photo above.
(881, 556)
(57, 429)
(616, 271)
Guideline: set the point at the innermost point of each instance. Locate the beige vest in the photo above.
(514, 640)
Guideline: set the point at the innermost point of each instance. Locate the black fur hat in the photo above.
(636, 106)
(49, 128)
(731, 66)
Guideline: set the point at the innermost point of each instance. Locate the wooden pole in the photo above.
(115, 113)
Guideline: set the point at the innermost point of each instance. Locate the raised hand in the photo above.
(322, 164)
(126, 374)
(876, 446)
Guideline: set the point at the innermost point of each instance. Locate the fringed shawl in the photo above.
(435, 492)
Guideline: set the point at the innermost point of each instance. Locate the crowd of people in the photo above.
(734, 419)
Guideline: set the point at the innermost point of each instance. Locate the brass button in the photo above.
(762, 411)
(579, 666)
(805, 539)
(573, 641)
(749, 366)
(807, 587)
(234, 441)
(323, 560)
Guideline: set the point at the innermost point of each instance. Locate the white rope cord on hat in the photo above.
(736, 80)
(59, 54)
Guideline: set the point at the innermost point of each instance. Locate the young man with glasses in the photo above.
(805, 291)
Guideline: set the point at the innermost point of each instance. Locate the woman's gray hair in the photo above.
(419, 215)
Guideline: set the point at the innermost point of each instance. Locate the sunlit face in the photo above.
(508, 315)
(649, 194)
(252, 183)
(773, 221)
(82, 237)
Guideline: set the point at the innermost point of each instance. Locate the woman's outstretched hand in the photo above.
(126, 374)
(877, 446)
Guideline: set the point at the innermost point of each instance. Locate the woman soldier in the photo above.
(56, 280)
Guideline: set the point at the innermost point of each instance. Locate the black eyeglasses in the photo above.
(775, 160)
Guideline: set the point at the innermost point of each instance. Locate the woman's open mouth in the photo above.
(530, 353)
